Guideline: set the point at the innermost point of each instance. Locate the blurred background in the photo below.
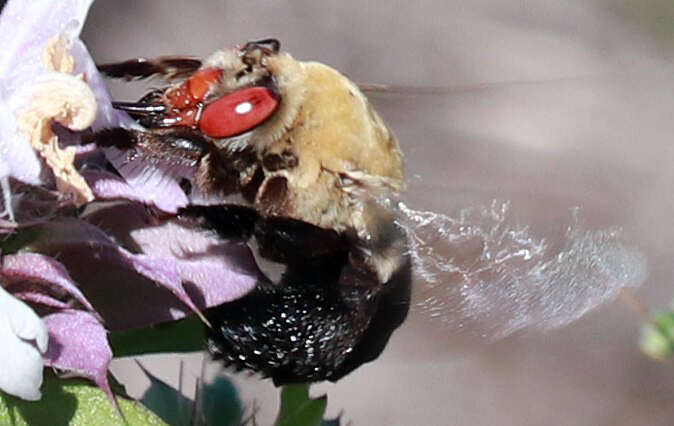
(562, 104)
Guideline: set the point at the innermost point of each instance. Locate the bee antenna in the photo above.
(272, 43)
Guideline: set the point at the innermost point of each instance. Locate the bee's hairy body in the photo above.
(311, 175)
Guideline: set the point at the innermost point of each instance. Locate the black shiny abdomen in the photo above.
(326, 317)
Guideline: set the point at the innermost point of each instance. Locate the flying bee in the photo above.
(291, 157)
(309, 159)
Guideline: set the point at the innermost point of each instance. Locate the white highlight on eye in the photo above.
(243, 108)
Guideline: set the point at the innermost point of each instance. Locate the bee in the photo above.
(290, 157)
(299, 161)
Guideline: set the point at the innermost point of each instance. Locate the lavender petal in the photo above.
(78, 343)
(43, 269)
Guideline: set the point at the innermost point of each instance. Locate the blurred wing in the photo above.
(481, 272)
(407, 90)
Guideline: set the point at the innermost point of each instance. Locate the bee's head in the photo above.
(258, 96)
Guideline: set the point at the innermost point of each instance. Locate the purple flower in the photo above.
(50, 91)
(24, 32)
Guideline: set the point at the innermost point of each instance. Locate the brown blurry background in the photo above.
(583, 117)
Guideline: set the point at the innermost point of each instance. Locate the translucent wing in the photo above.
(481, 271)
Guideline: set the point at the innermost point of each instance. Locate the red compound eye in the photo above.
(238, 112)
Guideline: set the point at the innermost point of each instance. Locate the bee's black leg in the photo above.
(181, 147)
(184, 147)
(300, 245)
(229, 221)
(138, 68)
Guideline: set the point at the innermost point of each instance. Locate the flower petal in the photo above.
(87, 242)
(218, 270)
(20, 359)
(44, 269)
(67, 100)
(24, 32)
(28, 293)
(78, 343)
(120, 294)
(107, 186)
(17, 157)
(107, 115)
(222, 271)
(158, 183)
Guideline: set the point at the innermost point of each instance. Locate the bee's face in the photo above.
(233, 92)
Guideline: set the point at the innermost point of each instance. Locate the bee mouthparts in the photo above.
(139, 108)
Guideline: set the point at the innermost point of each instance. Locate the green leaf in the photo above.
(297, 409)
(73, 402)
(186, 335)
(218, 403)
(166, 401)
(657, 336)
(19, 239)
